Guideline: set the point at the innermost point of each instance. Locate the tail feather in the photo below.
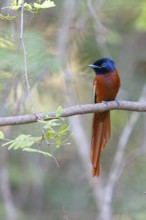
(100, 136)
(106, 129)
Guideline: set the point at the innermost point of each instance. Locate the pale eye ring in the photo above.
(104, 65)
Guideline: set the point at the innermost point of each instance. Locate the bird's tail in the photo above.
(100, 136)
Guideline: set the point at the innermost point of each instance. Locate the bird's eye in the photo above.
(103, 65)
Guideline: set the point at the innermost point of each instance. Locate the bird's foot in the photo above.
(117, 101)
(105, 102)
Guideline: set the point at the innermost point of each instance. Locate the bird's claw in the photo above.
(105, 102)
(117, 101)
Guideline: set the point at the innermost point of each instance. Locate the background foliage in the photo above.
(61, 41)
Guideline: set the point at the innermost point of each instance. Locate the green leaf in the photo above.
(33, 8)
(9, 18)
(14, 4)
(12, 145)
(57, 141)
(15, 7)
(53, 122)
(1, 135)
(63, 129)
(19, 2)
(7, 43)
(7, 143)
(49, 134)
(25, 142)
(22, 141)
(49, 124)
(37, 151)
(58, 111)
(45, 4)
(28, 7)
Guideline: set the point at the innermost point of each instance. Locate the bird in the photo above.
(106, 85)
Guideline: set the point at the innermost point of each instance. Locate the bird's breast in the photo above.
(106, 86)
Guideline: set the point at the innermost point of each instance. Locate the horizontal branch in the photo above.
(75, 110)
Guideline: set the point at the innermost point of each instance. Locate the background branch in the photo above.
(117, 166)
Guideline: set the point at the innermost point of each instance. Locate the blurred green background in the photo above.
(60, 43)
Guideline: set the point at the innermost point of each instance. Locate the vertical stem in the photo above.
(25, 58)
(5, 186)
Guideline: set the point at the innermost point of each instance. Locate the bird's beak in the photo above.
(94, 66)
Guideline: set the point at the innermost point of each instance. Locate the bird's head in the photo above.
(103, 66)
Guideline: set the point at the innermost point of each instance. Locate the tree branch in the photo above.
(75, 110)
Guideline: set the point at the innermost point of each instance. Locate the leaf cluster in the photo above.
(55, 133)
(30, 7)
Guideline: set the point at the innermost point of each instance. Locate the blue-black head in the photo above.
(103, 66)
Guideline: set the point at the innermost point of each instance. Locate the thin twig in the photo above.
(27, 80)
(25, 56)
